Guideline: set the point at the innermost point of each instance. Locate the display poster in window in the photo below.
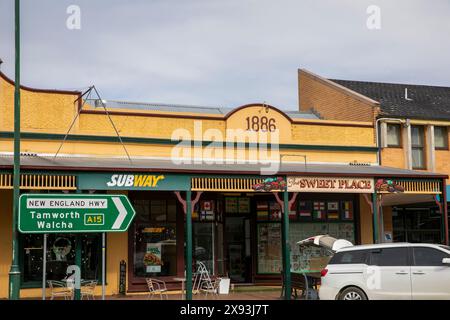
(333, 210)
(207, 210)
(152, 258)
(319, 210)
(274, 211)
(231, 205)
(304, 209)
(244, 205)
(262, 210)
(347, 210)
(269, 248)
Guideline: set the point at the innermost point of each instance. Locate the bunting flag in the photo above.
(319, 210)
(348, 210)
(304, 209)
(262, 210)
(333, 210)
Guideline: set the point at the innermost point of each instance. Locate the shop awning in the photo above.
(78, 163)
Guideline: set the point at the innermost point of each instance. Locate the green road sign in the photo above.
(56, 213)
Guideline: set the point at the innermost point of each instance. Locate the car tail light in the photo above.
(324, 272)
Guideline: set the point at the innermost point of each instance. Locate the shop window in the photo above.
(60, 254)
(269, 248)
(417, 225)
(203, 244)
(440, 138)
(155, 251)
(393, 135)
(417, 147)
(315, 258)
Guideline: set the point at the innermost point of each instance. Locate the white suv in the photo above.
(388, 271)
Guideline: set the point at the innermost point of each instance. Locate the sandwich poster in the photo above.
(152, 258)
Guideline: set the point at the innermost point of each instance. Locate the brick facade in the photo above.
(333, 101)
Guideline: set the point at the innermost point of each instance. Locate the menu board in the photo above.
(269, 248)
(231, 205)
(262, 210)
(244, 205)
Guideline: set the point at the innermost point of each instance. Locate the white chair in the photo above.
(156, 287)
(211, 287)
(60, 289)
(87, 289)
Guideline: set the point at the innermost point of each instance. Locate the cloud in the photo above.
(224, 53)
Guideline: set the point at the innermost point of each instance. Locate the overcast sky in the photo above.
(224, 53)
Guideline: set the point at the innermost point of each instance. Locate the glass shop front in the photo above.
(237, 235)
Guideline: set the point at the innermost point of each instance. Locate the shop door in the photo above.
(237, 246)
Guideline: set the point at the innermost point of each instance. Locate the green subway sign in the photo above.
(57, 213)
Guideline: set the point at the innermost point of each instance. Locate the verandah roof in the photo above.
(78, 163)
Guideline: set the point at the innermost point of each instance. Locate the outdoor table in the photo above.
(182, 280)
(70, 283)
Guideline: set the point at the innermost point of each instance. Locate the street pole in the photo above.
(188, 245)
(103, 264)
(44, 266)
(14, 272)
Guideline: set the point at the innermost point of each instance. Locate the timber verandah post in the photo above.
(188, 245)
(375, 218)
(188, 204)
(285, 247)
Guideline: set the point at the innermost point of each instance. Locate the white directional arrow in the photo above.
(122, 213)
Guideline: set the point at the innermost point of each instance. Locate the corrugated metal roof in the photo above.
(163, 107)
(112, 164)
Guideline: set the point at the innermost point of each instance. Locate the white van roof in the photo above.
(388, 245)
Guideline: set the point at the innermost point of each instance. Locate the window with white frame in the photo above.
(417, 147)
(393, 136)
(440, 138)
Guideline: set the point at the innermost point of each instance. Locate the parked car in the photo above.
(387, 271)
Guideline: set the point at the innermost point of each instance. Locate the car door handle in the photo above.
(402, 272)
(419, 272)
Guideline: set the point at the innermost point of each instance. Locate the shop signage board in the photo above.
(133, 181)
(80, 213)
(330, 184)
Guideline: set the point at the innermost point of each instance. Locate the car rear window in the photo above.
(349, 257)
(389, 257)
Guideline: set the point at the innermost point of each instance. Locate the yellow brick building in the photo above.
(235, 162)
(411, 123)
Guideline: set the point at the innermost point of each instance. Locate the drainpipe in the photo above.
(378, 136)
